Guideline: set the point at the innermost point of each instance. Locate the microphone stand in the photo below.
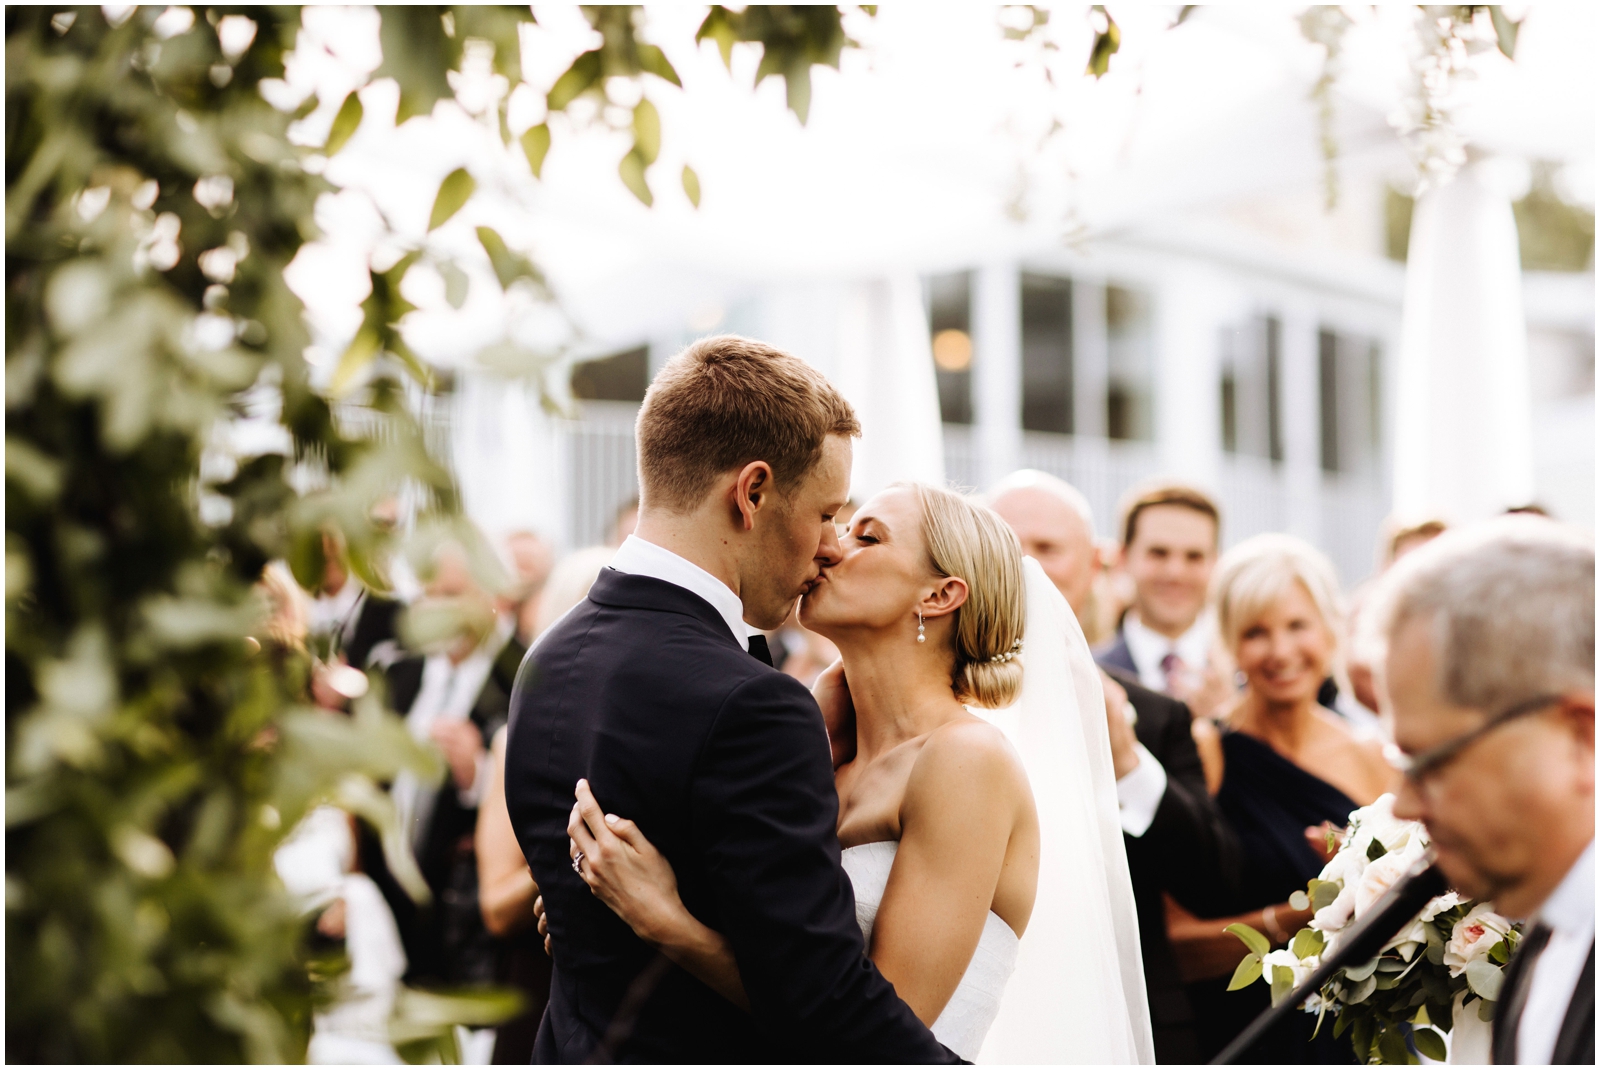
(1398, 907)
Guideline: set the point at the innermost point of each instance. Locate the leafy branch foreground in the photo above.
(156, 757)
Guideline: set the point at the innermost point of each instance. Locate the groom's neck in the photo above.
(696, 537)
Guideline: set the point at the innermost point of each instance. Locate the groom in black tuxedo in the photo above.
(658, 692)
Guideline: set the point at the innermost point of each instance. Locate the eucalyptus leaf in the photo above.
(1247, 972)
(344, 124)
(691, 185)
(456, 283)
(1258, 944)
(631, 169)
(1430, 1043)
(536, 146)
(1361, 971)
(1485, 978)
(456, 189)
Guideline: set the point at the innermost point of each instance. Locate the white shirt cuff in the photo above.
(470, 797)
(1139, 793)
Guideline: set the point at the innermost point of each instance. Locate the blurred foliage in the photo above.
(156, 755)
(1553, 234)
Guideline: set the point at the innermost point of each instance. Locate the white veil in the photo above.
(1078, 993)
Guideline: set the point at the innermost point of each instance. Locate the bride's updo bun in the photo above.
(971, 542)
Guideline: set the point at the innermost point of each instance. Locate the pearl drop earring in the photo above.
(921, 629)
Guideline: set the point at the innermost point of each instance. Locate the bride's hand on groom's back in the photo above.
(623, 869)
(832, 693)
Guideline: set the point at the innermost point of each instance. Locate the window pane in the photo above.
(1046, 354)
(950, 326)
(1129, 356)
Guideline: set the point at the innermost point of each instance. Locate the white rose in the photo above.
(1336, 915)
(1473, 937)
(1439, 904)
(1301, 969)
(1378, 878)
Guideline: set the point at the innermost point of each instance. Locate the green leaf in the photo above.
(344, 124)
(1254, 940)
(1323, 893)
(1282, 983)
(1376, 850)
(1307, 942)
(632, 171)
(1107, 42)
(1361, 971)
(1505, 30)
(357, 355)
(416, 54)
(575, 81)
(718, 26)
(536, 146)
(455, 283)
(797, 86)
(1247, 972)
(1392, 1048)
(1360, 991)
(646, 131)
(457, 187)
(508, 266)
(1485, 978)
(1430, 1043)
(691, 185)
(654, 61)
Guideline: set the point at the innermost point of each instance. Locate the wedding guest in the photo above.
(357, 625)
(1489, 672)
(530, 558)
(1176, 839)
(1402, 536)
(1288, 767)
(1169, 547)
(506, 890)
(460, 699)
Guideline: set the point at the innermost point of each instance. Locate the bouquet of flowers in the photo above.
(1448, 960)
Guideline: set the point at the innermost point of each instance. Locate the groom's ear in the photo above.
(751, 489)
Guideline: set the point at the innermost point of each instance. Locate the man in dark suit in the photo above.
(1176, 838)
(1490, 633)
(655, 691)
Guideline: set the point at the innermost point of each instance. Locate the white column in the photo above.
(997, 369)
(1463, 408)
(1089, 358)
(1188, 405)
(1299, 392)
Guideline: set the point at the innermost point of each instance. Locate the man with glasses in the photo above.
(1490, 676)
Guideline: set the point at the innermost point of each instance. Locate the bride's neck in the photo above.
(900, 689)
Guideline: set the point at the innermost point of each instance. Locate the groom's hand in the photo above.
(832, 693)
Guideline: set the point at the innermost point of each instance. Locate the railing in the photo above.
(600, 463)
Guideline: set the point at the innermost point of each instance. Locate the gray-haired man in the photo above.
(1490, 673)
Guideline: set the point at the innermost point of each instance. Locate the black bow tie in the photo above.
(759, 649)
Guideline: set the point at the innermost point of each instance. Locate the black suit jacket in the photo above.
(1189, 850)
(724, 763)
(1575, 1041)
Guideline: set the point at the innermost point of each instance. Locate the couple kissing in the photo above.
(920, 861)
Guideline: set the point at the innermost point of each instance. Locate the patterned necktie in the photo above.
(759, 649)
(1171, 666)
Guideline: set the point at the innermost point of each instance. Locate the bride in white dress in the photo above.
(979, 832)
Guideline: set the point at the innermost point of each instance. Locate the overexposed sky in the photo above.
(917, 154)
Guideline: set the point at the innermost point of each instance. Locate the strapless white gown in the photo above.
(966, 1019)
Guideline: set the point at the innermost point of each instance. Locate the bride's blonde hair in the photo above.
(971, 542)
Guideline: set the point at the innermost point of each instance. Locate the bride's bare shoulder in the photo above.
(967, 757)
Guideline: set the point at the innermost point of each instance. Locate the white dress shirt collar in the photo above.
(1570, 907)
(640, 558)
(1148, 647)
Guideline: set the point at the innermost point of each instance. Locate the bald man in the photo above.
(1177, 840)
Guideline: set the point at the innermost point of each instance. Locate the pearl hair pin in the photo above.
(1001, 659)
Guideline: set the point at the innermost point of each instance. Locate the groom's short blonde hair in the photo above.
(724, 402)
